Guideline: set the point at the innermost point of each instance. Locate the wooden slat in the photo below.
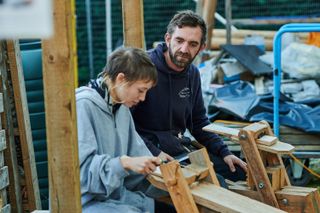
(59, 60)
(4, 177)
(256, 166)
(22, 115)
(133, 26)
(298, 200)
(219, 199)
(10, 151)
(279, 147)
(178, 188)
(3, 143)
(201, 158)
(222, 200)
(1, 102)
(267, 140)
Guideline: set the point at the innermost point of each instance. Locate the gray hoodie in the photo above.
(103, 137)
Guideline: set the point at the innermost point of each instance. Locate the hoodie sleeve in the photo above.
(99, 173)
(211, 141)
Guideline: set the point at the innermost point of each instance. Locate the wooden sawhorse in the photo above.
(267, 179)
(194, 188)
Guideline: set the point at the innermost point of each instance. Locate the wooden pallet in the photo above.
(267, 177)
(195, 188)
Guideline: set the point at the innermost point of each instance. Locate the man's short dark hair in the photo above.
(190, 19)
(134, 63)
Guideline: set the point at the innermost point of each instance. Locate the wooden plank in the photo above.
(24, 126)
(219, 199)
(300, 139)
(59, 63)
(297, 201)
(267, 140)
(231, 133)
(201, 158)
(208, 11)
(4, 177)
(10, 152)
(178, 188)
(279, 147)
(222, 200)
(241, 33)
(1, 103)
(257, 129)
(256, 166)
(3, 143)
(133, 26)
(275, 173)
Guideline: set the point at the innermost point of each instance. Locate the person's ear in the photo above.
(167, 38)
(203, 46)
(120, 78)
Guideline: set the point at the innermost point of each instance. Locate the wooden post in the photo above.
(10, 156)
(178, 188)
(133, 26)
(257, 168)
(209, 9)
(59, 63)
(21, 105)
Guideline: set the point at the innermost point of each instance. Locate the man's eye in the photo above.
(194, 45)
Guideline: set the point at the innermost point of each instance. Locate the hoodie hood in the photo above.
(91, 94)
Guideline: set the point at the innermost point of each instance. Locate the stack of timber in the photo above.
(19, 156)
(5, 207)
(237, 37)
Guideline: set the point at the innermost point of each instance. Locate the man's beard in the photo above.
(179, 63)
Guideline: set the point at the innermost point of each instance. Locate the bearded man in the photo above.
(176, 104)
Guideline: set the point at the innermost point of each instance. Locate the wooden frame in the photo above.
(267, 177)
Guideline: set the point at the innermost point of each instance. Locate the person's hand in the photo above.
(165, 157)
(142, 165)
(232, 160)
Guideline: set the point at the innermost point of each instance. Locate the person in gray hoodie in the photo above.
(113, 157)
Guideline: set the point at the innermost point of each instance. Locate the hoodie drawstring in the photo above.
(170, 102)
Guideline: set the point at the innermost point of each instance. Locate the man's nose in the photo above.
(184, 47)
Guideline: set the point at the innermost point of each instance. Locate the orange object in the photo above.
(314, 39)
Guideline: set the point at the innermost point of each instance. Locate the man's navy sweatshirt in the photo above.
(170, 107)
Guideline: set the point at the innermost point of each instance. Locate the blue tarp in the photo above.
(240, 100)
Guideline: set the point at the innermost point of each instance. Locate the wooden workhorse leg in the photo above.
(178, 188)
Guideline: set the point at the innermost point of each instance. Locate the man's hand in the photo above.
(232, 160)
(142, 165)
(165, 157)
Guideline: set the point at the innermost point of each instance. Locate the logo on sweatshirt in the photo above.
(184, 93)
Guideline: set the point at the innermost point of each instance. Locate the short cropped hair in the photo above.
(134, 63)
(190, 19)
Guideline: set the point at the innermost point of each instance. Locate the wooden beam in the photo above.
(25, 135)
(178, 188)
(133, 26)
(208, 11)
(256, 166)
(59, 60)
